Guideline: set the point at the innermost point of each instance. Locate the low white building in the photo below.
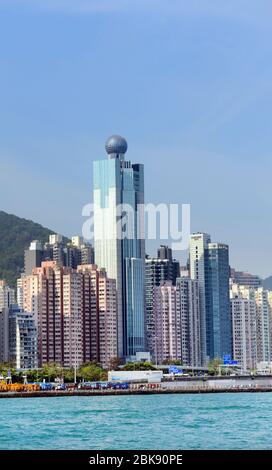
(149, 376)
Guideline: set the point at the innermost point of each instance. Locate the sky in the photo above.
(188, 83)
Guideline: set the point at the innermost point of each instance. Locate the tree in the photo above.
(114, 363)
(15, 236)
(15, 375)
(34, 375)
(68, 375)
(53, 371)
(92, 372)
(139, 366)
(214, 366)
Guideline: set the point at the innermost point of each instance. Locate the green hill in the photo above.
(15, 236)
(267, 283)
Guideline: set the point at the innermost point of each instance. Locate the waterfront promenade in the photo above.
(185, 385)
(145, 389)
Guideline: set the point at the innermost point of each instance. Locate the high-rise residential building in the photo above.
(263, 325)
(75, 313)
(86, 254)
(245, 279)
(20, 292)
(7, 295)
(89, 292)
(167, 319)
(52, 294)
(157, 270)
(77, 241)
(83, 252)
(99, 311)
(244, 326)
(18, 338)
(23, 352)
(269, 297)
(218, 315)
(198, 269)
(33, 256)
(164, 253)
(184, 271)
(107, 301)
(70, 254)
(4, 335)
(176, 333)
(58, 250)
(188, 307)
(7, 298)
(55, 238)
(119, 241)
(55, 250)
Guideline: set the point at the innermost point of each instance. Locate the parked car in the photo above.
(61, 387)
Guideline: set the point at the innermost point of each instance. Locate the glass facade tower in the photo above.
(218, 313)
(209, 265)
(118, 239)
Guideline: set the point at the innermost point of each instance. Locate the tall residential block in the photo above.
(244, 326)
(264, 353)
(7, 298)
(67, 306)
(7, 295)
(176, 334)
(157, 270)
(118, 239)
(4, 335)
(33, 256)
(188, 306)
(99, 310)
(23, 351)
(245, 279)
(167, 318)
(198, 271)
(18, 338)
(71, 254)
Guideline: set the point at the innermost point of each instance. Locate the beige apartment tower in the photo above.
(75, 313)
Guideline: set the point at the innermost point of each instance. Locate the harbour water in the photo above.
(209, 421)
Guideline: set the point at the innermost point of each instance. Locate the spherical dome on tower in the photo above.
(116, 144)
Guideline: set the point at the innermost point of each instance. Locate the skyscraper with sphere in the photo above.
(118, 238)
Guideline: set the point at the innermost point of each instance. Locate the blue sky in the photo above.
(188, 83)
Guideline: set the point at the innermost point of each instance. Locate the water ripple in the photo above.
(219, 421)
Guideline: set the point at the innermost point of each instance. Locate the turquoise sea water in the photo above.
(214, 421)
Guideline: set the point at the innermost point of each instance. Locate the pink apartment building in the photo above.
(75, 313)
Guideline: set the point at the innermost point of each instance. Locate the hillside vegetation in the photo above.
(15, 236)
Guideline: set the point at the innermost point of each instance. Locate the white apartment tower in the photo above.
(7, 295)
(244, 326)
(263, 325)
(198, 249)
(167, 323)
(187, 291)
